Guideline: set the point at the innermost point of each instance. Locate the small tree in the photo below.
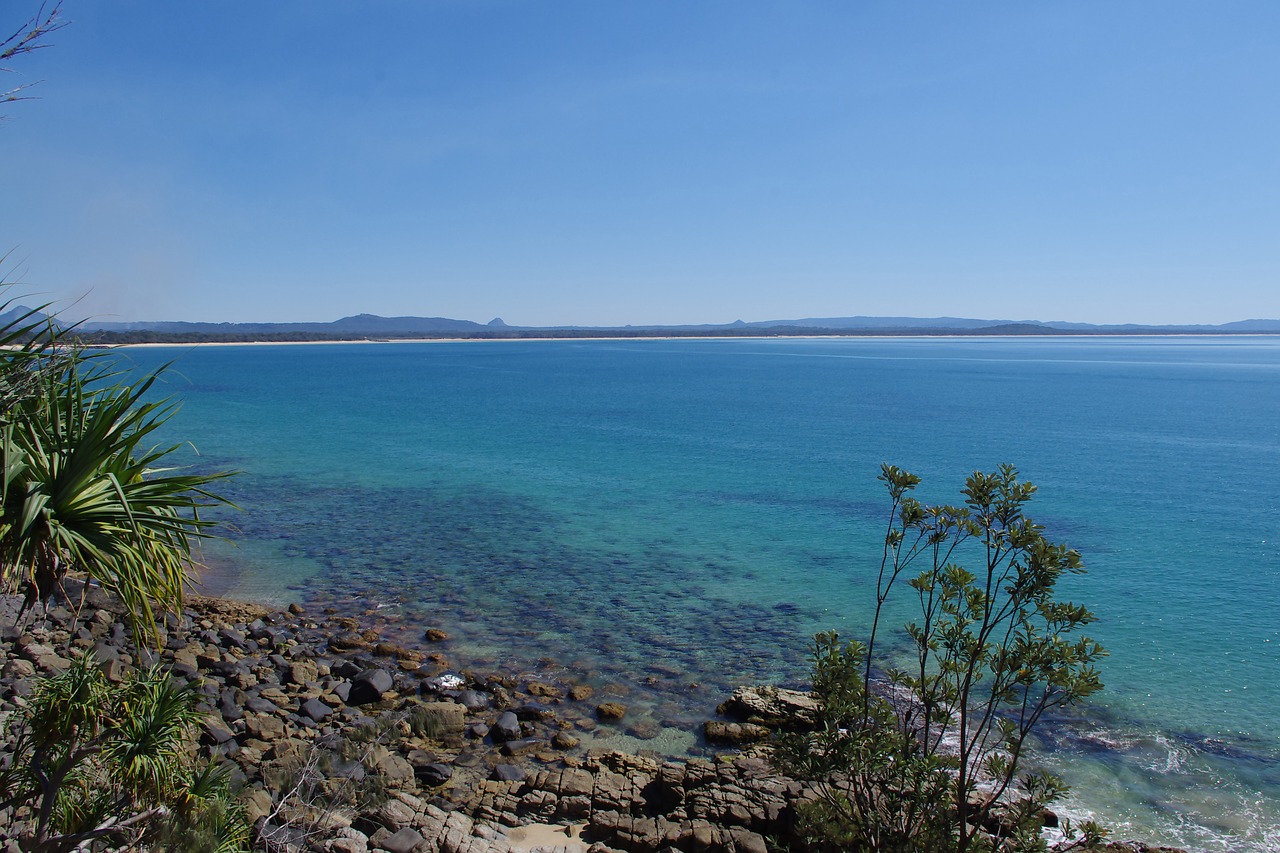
(92, 760)
(929, 759)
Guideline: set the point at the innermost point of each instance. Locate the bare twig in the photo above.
(29, 37)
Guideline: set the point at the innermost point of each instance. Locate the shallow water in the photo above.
(677, 513)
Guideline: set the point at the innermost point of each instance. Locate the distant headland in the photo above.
(373, 327)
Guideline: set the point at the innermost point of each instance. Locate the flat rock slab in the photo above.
(405, 840)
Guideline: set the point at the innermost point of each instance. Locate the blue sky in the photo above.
(649, 162)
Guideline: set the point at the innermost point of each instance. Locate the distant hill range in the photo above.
(373, 327)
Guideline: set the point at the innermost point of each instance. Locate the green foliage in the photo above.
(82, 490)
(929, 760)
(97, 760)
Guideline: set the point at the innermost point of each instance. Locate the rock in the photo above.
(775, 707)
(405, 840)
(579, 692)
(506, 728)
(257, 804)
(509, 773)
(390, 766)
(303, 671)
(435, 635)
(346, 669)
(564, 740)
(369, 686)
(347, 641)
(734, 734)
(232, 638)
(523, 746)
(114, 670)
(215, 733)
(437, 719)
(542, 689)
(611, 710)
(264, 727)
(433, 774)
(315, 709)
(474, 700)
(18, 668)
(296, 609)
(644, 730)
(348, 840)
(534, 711)
(391, 650)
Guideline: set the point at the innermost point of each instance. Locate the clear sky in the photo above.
(649, 162)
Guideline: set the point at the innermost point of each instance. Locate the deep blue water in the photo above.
(674, 512)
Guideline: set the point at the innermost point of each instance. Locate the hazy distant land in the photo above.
(371, 326)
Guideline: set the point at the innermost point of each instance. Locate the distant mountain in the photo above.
(360, 324)
(889, 323)
(1251, 326)
(374, 326)
(23, 314)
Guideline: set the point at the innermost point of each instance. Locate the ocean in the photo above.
(681, 516)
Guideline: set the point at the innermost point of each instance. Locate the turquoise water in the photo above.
(678, 513)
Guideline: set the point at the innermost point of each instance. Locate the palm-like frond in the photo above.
(83, 491)
(150, 739)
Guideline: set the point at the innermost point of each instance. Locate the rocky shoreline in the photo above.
(346, 742)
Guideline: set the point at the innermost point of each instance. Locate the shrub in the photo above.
(928, 759)
(92, 760)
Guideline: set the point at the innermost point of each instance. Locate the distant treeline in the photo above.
(143, 336)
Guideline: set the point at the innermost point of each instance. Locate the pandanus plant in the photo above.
(84, 490)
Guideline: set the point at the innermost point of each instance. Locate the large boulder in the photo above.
(369, 686)
(774, 707)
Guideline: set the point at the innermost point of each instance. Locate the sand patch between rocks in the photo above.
(546, 836)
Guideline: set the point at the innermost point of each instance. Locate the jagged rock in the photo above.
(303, 671)
(775, 707)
